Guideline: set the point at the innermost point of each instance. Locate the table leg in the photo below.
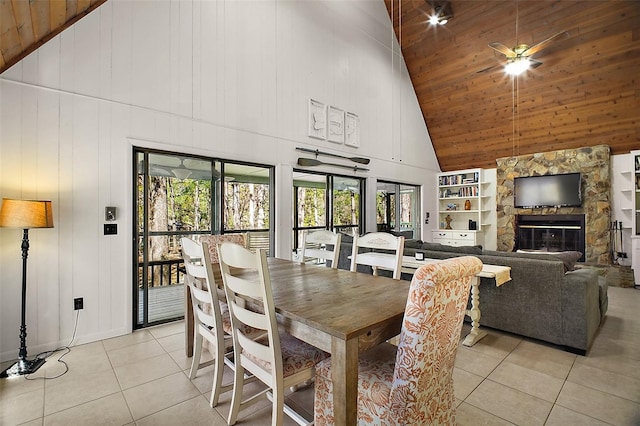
(475, 334)
(344, 367)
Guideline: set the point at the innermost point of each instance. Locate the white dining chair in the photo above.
(208, 315)
(212, 323)
(385, 252)
(279, 360)
(317, 244)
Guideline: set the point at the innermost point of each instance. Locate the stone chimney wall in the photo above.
(594, 164)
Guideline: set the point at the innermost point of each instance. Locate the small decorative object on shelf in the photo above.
(448, 219)
(467, 205)
(452, 206)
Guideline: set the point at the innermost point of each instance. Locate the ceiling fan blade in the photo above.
(502, 49)
(544, 43)
(534, 64)
(489, 68)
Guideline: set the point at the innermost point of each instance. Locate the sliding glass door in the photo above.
(176, 196)
(326, 201)
(398, 208)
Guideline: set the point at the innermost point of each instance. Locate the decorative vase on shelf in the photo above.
(467, 205)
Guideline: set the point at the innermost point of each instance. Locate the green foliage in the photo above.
(189, 204)
(312, 206)
(345, 208)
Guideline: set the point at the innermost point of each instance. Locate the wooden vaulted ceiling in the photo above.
(585, 93)
(26, 25)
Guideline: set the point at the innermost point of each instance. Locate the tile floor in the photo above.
(504, 379)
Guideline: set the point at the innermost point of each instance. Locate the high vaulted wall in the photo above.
(223, 79)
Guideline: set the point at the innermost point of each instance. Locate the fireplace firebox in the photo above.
(560, 232)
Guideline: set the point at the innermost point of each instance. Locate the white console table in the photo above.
(501, 274)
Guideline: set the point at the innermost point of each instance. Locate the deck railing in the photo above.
(163, 273)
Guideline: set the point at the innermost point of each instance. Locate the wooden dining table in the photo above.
(341, 312)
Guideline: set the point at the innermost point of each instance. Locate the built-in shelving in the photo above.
(635, 220)
(457, 190)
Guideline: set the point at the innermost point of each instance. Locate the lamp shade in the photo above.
(25, 214)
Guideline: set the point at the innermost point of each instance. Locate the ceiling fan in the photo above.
(519, 58)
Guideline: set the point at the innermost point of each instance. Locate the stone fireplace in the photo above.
(594, 165)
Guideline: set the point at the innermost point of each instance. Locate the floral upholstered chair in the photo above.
(413, 383)
(213, 241)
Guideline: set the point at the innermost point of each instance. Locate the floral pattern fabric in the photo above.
(213, 241)
(412, 385)
(296, 355)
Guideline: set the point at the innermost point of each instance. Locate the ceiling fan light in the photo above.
(517, 66)
(181, 173)
(442, 12)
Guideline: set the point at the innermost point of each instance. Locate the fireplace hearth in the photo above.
(561, 232)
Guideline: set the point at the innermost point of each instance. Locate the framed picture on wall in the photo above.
(317, 119)
(352, 130)
(336, 125)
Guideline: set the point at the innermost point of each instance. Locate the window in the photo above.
(177, 196)
(325, 201)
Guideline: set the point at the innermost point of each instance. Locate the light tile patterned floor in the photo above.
(504, 379)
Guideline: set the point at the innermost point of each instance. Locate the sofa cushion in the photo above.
(569, 258)
(451, 249)
(346, 238)
(412, 244)
(405, 234)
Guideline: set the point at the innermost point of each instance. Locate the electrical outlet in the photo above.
(78, 303)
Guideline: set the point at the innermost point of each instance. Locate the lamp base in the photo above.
(23, 367)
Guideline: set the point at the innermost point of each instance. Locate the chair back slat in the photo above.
(244, 286)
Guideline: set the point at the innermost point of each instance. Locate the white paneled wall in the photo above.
(227, 79)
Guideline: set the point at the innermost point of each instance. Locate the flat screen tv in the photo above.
(548, 191)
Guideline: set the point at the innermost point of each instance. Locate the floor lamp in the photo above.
(24, 214)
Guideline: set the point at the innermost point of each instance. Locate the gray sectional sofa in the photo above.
(546, 299)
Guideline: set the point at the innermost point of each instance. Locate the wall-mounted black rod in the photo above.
(360, 160)
(313, 162)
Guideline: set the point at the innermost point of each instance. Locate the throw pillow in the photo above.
(569, 258)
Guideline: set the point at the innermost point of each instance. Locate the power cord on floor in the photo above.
(66, 348)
